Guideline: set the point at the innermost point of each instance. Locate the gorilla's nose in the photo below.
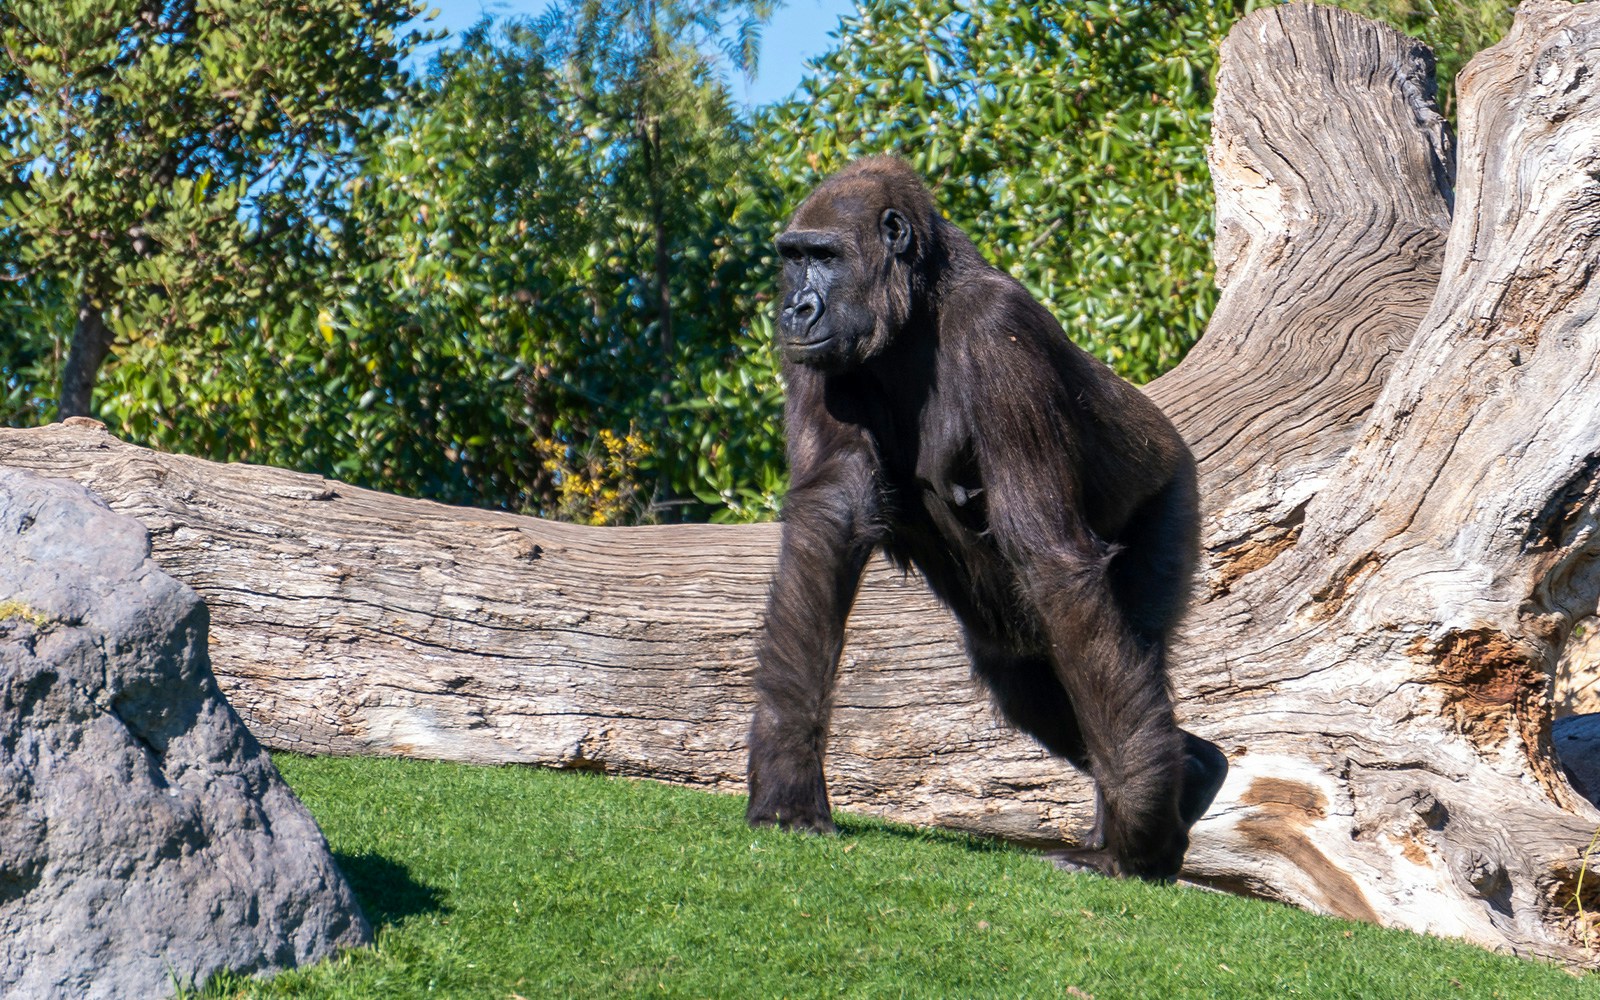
(800, 314)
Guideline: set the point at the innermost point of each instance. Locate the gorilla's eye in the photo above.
(792, 254)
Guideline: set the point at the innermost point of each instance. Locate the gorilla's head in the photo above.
(855, 257)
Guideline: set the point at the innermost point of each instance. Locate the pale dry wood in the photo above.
(1389, 672)
(1400, 531)
(1333, 173)
(347, 621)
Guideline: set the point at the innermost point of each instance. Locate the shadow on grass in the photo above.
(386, 890)
(855, 826)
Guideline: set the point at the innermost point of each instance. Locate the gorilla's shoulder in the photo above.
(990, 305)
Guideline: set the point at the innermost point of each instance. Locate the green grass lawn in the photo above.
(508, 882)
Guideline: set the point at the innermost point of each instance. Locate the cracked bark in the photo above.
(1396, 413)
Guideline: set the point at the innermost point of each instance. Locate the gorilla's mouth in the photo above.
(799, 348)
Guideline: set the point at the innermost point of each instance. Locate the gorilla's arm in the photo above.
(831, 524)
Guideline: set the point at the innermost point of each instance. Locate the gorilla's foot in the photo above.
(1161, 866)
(804, 810)
(1205, 767)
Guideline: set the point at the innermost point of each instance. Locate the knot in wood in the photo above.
(1561, 77)
(1485, 874)
(1427, 808)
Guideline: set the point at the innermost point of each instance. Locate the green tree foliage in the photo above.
(523, 223)
(485, 329)
(527, 213)
(640, 67)
(393, 361)
(1069, 140)
(30, 357)
(546, 287)
(643, 73)
(164, 162)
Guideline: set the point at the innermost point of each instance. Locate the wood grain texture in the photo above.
(1402, 487)
(1393, 658)
(352, 622)
(1333, 174)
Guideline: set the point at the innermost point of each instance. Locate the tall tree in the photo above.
(484, 331)
(536, 251)
(162, 161)
(638, 63)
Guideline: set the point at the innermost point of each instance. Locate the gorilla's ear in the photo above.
(895, 230)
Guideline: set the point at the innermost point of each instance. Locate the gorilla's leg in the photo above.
(1115, 681)
(1150, 577)
(1029, 695)
(1155, 780)
(1154, 558)
(823, 550)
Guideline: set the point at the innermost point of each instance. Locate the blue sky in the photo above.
(797, 32)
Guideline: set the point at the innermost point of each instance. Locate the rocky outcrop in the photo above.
(146, 840)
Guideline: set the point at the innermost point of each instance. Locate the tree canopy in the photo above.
(166, 166)
(539, 278)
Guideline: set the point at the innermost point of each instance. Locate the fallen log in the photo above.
(1397, 414)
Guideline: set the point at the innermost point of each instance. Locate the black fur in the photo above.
(939, 413)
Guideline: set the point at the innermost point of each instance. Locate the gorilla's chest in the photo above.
(935, 502)
(939, 523)
(932, 479)
(937, 509)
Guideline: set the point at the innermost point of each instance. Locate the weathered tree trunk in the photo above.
(1399, 438)
(1389, 593)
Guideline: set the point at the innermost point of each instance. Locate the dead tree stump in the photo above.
(1389, 589)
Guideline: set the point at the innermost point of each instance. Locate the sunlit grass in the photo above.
(505, 882)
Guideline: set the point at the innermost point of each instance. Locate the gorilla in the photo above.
(938, 413)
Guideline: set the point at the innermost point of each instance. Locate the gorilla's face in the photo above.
(844, 277)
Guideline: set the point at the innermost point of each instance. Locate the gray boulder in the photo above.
(146, 840)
